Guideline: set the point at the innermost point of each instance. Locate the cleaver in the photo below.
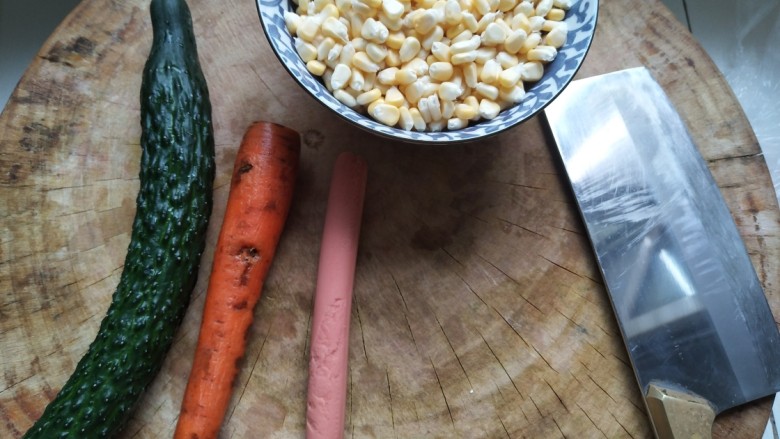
(694, 319)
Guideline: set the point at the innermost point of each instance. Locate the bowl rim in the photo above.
(441, 138)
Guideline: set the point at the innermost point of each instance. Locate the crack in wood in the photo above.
(444, 395)
(591, 419)
(452, 348)
(390, 395)
(362, 333)
(521, 227)
(511, 380)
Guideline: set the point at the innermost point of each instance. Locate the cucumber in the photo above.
(168, 237)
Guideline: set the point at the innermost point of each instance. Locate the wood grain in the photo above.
(478, 309)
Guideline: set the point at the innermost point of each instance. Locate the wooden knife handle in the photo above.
(679, 415)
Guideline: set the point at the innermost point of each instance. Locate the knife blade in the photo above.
(693, 316)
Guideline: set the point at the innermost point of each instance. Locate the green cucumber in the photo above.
(168, 237)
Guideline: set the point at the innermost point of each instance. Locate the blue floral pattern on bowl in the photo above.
(581, 20)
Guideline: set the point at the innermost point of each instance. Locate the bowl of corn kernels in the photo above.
(431, 71)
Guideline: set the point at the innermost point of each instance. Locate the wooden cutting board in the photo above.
(479, 311)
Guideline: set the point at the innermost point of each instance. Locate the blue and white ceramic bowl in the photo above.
(581, 19)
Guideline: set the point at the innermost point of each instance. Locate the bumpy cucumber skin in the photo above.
(168, 237)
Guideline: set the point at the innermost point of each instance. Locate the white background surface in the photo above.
(742, 37)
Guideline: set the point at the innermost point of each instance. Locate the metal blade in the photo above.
(689, 304)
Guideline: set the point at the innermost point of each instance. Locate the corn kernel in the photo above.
(414, 91)
(374, 31)
(376, 52)
(525, 7)
(441, 51)
(473, 101)
(509, 77)
(506, 5)
(431, 88)
(563, 4)
(482, 6)
(395, 40)
(470, 74)
(315, 67)
(345, 98)
(465, 111)
(470, 21)
(488, 109)
(335, 29)
(531, 42)
(456, 123)
(463, 58)
(486, 20)
(486, 90)
(374, 104)
(305, 50)
(440, 71)
(369, 80)
(425, 22)
(324, 47)
(449, 91)
(536, 23)
(434, 107)
(542, 53)
(417, 119)
(469, 45)
(422, 105)
(493, 35)
(483, 54)
(393, 96)
(455, 33)
(392, 24)
(418, 65)
(556, 37)
(452, 13)
(490, 72)
(435, 36)
(387, 76)
(513, 94)
(356, 23)
(341, 75)
(507, 60)
(368, 97)
(357, 81)
(405, 76)
(532, 71)
(392, 59)
(520, 22)
(543, 7)
(437, 125)
(308, 28)
(333, 55)
(405, 121)
(409, 49)
(291, 21)
(361, 61)
(550, 25)
(447, 109)
(359, 44)
(392, 8)
(347, 53)
(556, 14)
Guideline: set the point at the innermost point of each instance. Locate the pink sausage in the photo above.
(327, 393)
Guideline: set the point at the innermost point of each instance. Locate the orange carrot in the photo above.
(260, 196)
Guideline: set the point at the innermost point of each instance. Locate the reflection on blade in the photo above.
(685, 293)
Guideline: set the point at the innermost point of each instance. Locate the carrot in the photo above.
(261, 192)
